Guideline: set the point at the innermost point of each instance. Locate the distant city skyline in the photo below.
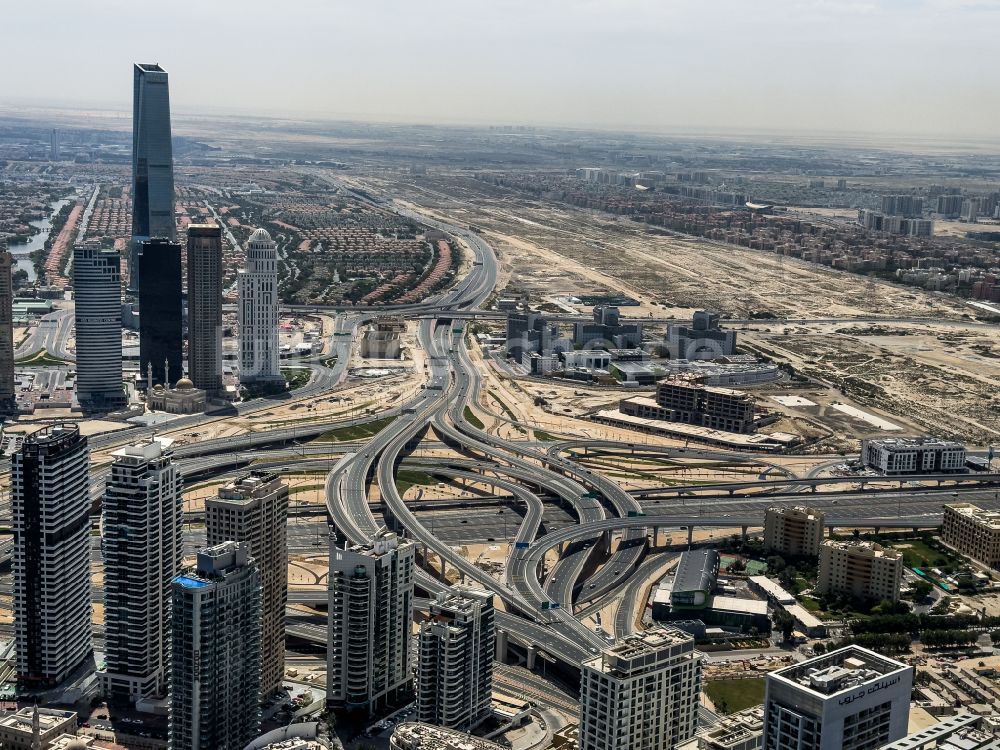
(881, 66)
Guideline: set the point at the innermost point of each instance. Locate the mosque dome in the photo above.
(260, 235)
(184, 384)
(76, 745)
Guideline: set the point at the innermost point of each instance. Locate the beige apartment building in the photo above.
(860, 569)
(794, 531)
(973, 532)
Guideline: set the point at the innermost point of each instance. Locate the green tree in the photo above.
(920, 590)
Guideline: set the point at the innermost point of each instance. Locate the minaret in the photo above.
(166, 373)
(149, 376)
(36, 730)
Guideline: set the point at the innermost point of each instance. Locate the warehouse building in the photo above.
(695, 580)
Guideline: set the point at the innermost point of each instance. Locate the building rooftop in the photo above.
(687, 380)
(989, 518)
(908, 443)
(634, 367)
(150, 67)
(430, 737)
(869, 548)
(53, 434)
(639, 651)
(734, 729)
(804, 616)
(247, 487)
(209, 226)
(697, 570)
(845, 669)
(739, 604)
(48, 719)
(461, 598)
(810, 514)
(71, 742)
(772, 589)
(384, 541)
(146, 450)
(260, 235)
(965, 731)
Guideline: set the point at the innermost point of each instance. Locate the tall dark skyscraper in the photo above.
(204, 293)
(160, 325)
(51, 520)
(152, 163)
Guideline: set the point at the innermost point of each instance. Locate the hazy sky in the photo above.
(904, 66)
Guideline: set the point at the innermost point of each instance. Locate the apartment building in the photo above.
(254, 509)
(455, 668)
(796, 532)
(863, 570)
(641, 693)
(215, 652)
(51, 519)
(143, 546)
(743, 730)
(370, 611)
(973, 532)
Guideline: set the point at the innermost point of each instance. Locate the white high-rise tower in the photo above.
(143, 547)
(50, 502)
(370, 611)
(258, 311)
(455, 673)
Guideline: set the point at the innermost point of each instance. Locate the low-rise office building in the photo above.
(973, 532)
(689, 400)
(796, 532)
(863, 570)
(925, 455)
(963, 731)
(633, 372)
(850, 699)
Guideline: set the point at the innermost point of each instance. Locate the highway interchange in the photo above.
(542, 605)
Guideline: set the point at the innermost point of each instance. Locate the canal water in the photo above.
(21, 252)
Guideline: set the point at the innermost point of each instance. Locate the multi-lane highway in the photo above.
(555, 576)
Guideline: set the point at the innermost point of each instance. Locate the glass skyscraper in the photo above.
(161, 334)
(152, 162)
